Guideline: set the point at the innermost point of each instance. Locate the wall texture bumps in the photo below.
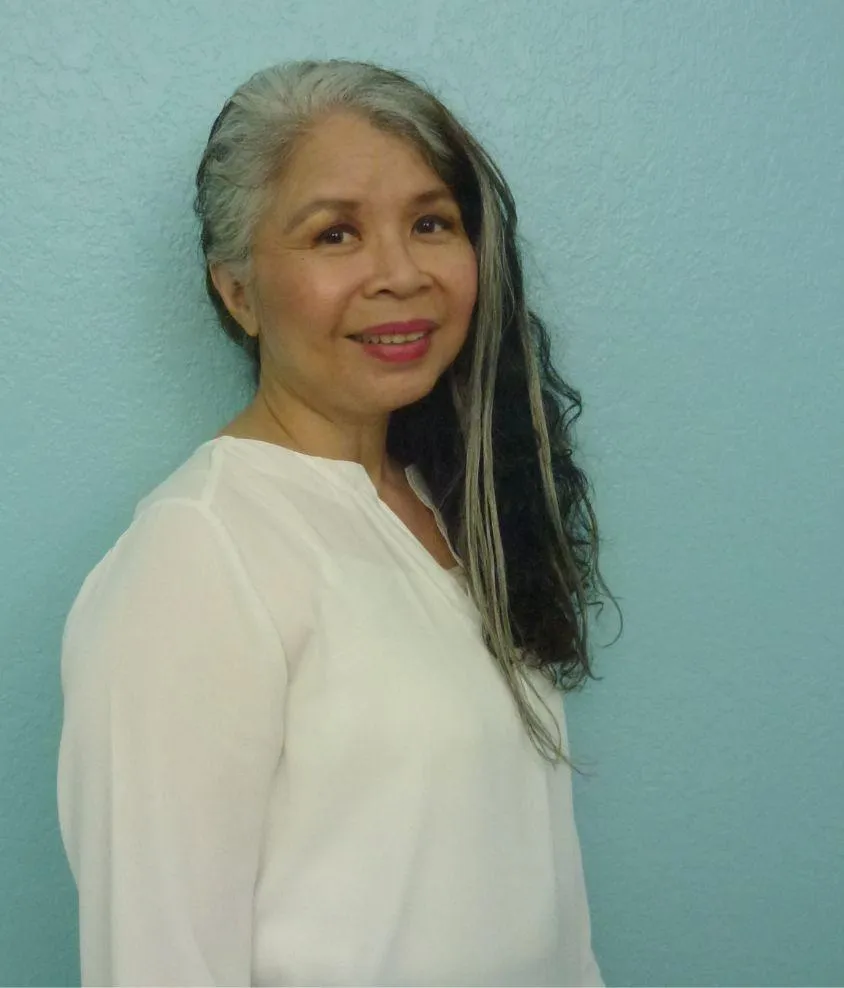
(678, 171)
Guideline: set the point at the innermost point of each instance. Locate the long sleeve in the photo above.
(174, 683)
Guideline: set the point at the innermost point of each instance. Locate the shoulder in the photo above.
(173, 588)
(195, 480)
(175, 538)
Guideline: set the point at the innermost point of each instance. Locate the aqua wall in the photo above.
(679, 166)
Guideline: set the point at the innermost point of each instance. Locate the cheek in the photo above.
(463, 278)
(308, 295)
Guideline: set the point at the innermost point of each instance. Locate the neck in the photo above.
(296, 426)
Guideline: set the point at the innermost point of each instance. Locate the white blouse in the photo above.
(287, 757)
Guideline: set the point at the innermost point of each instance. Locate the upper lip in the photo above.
(385, 328)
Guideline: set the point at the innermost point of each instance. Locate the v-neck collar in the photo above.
(355, 477)
(350, 471)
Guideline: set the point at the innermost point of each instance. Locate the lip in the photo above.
(412, 326)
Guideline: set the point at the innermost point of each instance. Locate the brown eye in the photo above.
(324, 237)
(444, 223)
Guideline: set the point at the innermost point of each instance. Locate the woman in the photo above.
(313, 728)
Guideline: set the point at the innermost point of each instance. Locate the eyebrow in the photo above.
(351, 205)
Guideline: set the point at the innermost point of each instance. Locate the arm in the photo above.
(174, 683)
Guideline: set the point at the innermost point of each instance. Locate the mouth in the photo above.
(395, 333)
(396, 350)
(391, 339)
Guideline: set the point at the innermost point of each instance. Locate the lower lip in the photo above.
(394, 353)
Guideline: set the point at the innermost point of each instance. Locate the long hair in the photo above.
(493, 438)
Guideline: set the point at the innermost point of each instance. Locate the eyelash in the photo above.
(446, 224)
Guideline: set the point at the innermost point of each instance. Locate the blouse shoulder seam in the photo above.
(210, 487)
(227, 543)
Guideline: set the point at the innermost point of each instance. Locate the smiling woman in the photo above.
(313, 724)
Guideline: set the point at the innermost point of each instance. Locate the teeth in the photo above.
(408, 338)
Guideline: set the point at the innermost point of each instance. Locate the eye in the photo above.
(444, 223)
(333, 236)
(323, 238)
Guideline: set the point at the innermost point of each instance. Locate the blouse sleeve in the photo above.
(174, 682)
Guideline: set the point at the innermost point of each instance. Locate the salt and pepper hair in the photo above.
(493, 439)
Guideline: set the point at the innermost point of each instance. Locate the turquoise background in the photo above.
(678, 167)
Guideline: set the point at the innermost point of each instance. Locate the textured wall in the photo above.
(679, 171)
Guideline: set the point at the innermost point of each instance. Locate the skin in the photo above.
(338, 272)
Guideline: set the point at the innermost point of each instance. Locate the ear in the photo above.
(237, 298)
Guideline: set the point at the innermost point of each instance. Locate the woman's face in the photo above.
(395, 251)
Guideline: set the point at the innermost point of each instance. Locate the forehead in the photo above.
(345, 154)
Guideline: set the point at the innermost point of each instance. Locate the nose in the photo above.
(395, 267)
